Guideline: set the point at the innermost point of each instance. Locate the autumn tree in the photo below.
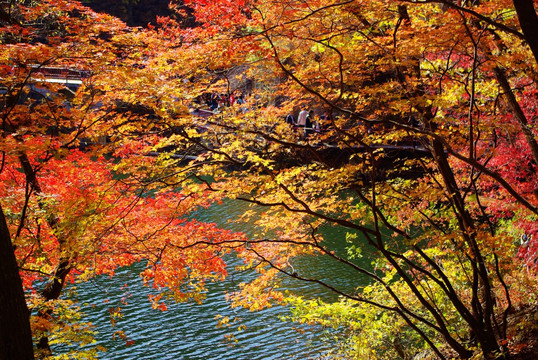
(432, 107)
(82, 193)
(427, 149)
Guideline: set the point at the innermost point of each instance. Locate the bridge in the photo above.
(71, 78)
(326, 151)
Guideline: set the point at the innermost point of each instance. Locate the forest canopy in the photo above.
(410, 124)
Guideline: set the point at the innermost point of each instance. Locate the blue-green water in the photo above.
(190, 331)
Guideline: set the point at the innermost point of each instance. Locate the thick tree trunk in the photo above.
(15, 333)
(529, 23)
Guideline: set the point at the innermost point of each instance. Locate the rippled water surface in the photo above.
(190, 331)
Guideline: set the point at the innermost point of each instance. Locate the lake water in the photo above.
(191, 331)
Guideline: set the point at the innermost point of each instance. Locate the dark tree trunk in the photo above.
(480, 322)
(15, 333)
(529, 23)
(54, 287)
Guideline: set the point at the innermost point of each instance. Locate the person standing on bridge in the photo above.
(290, 119)
(301, 119)
(214, 104)
(309, 123)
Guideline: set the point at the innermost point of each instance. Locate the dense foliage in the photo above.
(426, 149)
(76, 204)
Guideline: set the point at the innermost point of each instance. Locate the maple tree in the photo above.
(428, 150)
(453, 79)
(80, 194)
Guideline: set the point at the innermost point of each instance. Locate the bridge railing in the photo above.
(61, 73)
